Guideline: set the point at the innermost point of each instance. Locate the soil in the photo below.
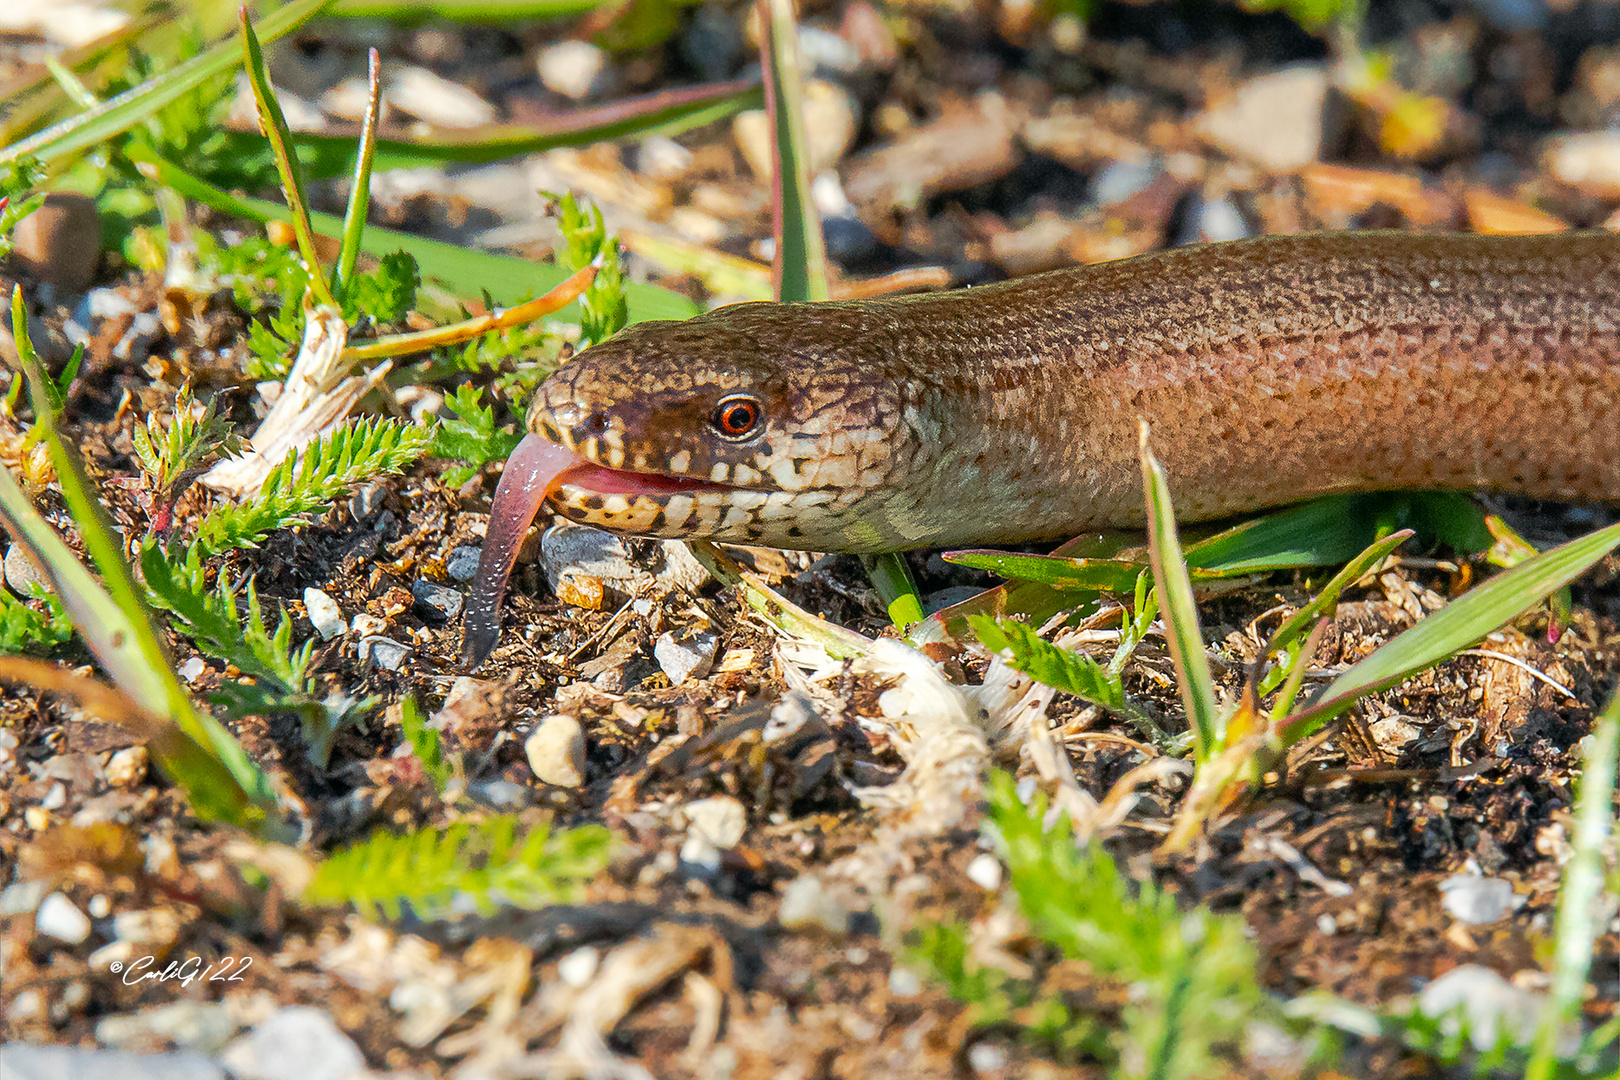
(1336, 866)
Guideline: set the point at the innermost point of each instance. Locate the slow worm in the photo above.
(1271, 370)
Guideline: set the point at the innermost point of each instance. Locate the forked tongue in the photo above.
(533, 470)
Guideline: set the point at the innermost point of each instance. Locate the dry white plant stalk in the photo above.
(317, 396)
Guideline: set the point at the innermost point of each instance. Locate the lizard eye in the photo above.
(736, 417)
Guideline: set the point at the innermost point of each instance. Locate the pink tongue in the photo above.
(532, 472)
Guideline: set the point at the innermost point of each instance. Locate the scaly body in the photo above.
(1270, 370)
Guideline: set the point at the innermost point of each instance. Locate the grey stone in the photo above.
(296, 1042)
(192, 669)
(324, 614)
(434, 602)
(437, 100)
(556, 751)
(807, 903)
(60, 918)
(688, 658)
(21, 897)
(384, 652)
(721, 820)
(700, 858)
(1478, 901)
(572, 68)
(21, 572)
(1274, 121)
(20, 1061)
(463, 563)
(1486, 1004)
(203, 1026)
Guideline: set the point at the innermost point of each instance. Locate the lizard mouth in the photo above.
(586, 478)
(538, 471)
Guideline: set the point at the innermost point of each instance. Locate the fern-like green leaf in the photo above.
(308, 482)
(460, 869)
(1046, 663)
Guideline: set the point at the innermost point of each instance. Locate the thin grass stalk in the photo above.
(119, 114)
(1179, 608)
(354, 217)
(1579, 909)
(274, 123)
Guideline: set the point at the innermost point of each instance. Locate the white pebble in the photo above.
(556, 751)
(985, 872)
(60, 918)
(324, 613)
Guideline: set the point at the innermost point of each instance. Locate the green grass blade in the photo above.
(801, 253)
(1459, 624)
(354, 215)
(119, 114)
(1180, 609)
(892, 578)
(275, 128)
(114, 616)
(465, 271)
(498, 12)
(1579, 910)
(1057, 571)
(667, 112)
(1326, 532)
(1328, 599)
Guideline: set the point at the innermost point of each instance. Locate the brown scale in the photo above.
(1270, 370)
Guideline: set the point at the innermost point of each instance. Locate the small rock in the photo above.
(807, 903)
(1119, 180)
(384, 652)
(824, 51)
(324, 614)
(202, 1026)
(577, 551)
(503, 795)
(366, 500)
(721, 820)
(437, 100)
(367, 625)
(579, 967)
(962, 149)
(127, 767)
(61, 241)
(1478, 901)
(1487, 1003)
(349, 100)
(192, 669)
(22, 573)
(25, 1062)
(688, 658)
(700, 858)
(436, 603)
(1273, 120)
(463, 563)
(985, 872)
(297, 1042)
(1392, 733)
(556, 751)
(571, 68)
(987, 1057)
(662, 158)
(830, 124)
(1589, 161)
(21, 897)
(60, 918)
(681, 568)
(713, 43)
(1214, 220)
